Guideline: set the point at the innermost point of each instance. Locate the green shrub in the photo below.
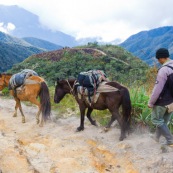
(5, 92)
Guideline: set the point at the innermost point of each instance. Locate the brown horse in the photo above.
(108, 100)
(33, 88)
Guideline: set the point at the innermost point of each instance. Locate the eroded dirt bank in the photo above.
(57, 148)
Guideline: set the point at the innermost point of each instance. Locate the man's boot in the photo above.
(157, 135)
(166, 133)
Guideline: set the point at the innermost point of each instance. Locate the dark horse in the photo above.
(108, 100)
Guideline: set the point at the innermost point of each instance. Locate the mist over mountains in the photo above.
(22, 23)
(27, 33)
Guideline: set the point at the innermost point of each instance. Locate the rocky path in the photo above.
(57, 148)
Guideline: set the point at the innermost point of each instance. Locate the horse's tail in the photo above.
(45, 101)
(126, 109)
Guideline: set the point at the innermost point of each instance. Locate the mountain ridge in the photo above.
(145, 43)
(15, 50)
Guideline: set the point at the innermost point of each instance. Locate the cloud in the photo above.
(106, 19)
(2, 29)
(10, 26)
(7, 28)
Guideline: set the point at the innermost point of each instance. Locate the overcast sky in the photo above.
(107, 19)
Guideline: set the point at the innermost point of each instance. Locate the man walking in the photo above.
(161, 97)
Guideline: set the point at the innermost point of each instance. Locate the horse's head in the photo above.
(62, 87)
(4, 79)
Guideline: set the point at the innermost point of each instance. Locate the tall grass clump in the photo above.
(140, 112)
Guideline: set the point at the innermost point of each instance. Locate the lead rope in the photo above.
(71, 88)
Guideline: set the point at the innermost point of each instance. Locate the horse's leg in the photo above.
(113, 118)
(82, 118)
(36, 102)
(116, 115)
(18, 105)
(93, 122)
(123, 134)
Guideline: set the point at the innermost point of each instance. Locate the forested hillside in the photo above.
(14, 50)
(118, 64)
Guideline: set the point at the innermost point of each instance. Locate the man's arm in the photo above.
(158, 87)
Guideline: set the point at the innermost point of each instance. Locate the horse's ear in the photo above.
(59, 80)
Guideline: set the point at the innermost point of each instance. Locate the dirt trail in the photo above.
(57, 148)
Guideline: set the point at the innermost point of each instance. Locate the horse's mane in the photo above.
(69, 80)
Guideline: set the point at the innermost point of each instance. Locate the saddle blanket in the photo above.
(102, 88)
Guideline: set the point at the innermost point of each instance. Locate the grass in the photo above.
(68, 102)
(140, 112)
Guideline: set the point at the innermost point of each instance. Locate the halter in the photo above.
(71, 88)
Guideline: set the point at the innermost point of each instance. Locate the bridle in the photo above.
(71, 88)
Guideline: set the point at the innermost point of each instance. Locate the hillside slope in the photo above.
(13, 53)
(14, 50)
(115, 61)
(144, 44)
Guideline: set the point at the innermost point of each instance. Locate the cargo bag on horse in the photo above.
(18, 79)
(88, 82)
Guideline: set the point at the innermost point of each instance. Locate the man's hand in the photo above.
(149, 106)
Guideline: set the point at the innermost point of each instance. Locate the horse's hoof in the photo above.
(40, 125)
(37, 121)
(106, 129)
(122, 138)
(94, 123)
(79, 129)
(23, 121)
(14, 115)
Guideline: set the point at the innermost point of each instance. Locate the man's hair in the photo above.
(162, 53)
